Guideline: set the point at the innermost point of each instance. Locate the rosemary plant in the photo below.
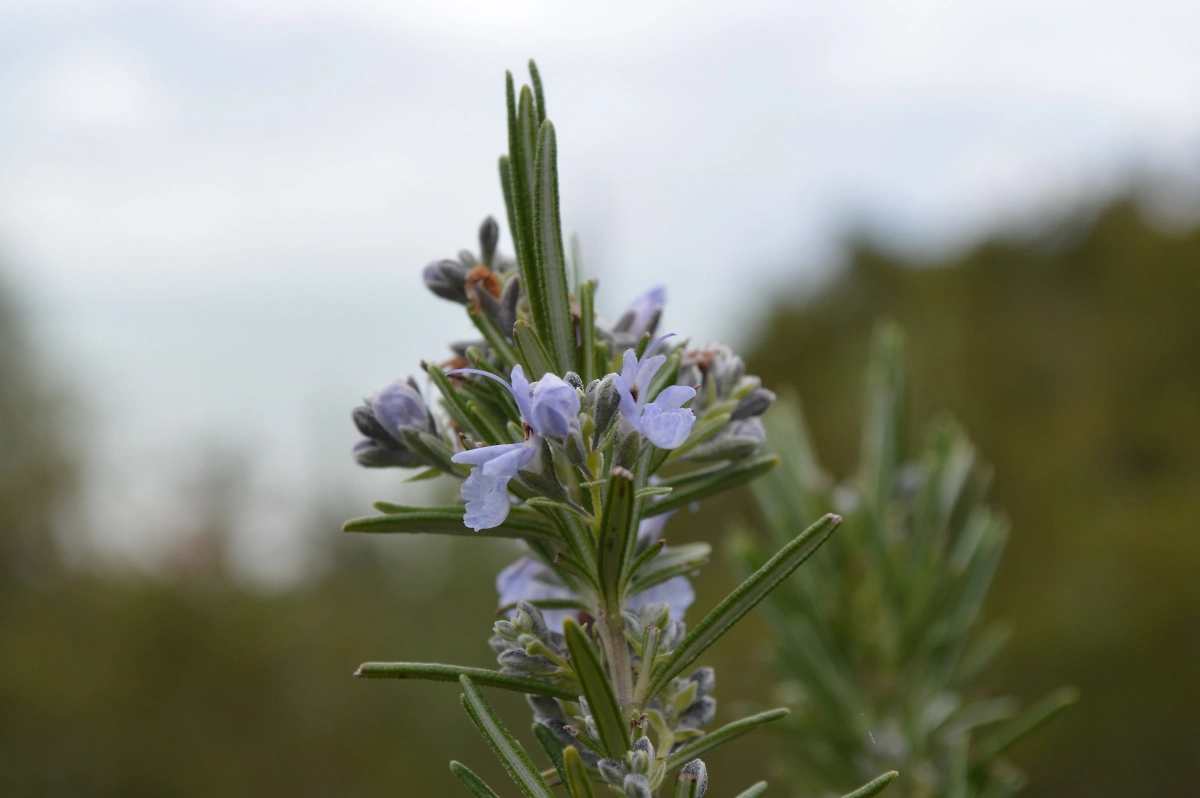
(580, 439)
(879, 644)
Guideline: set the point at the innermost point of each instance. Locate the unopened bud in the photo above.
(696, 770)
(447, 279)
(608, 401)
(754, 403)
(637, 786)
(489, 237)
(705, 679)
(611, 772)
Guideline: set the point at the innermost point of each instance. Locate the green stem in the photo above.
(610, 627)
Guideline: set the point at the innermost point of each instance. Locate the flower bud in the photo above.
(506, 630)
(574, 380)
(365, 422)
(608, 401)
(575, 450)
(705, 679)
(637, 786)
(537, 621)
(489, 237)
(699, 714)
(447, 279)
(643, 744)
(373, 454)
(611, 772)
(697, 771)
(544, 708)
(517, 661)
(639, 762)
(400, 406)
(754, 403)
(627, 450)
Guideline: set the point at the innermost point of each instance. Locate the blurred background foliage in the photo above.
(1071, 355)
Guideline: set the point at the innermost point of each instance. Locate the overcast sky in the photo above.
(221, 208)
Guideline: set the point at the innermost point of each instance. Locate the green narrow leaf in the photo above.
(528, 126)
(1025, 723)
(503, 744)
(538, 94)
(753, 792)
(476, 785)
(586, 365)
(552, 748)
(618, 532)
(715, 739)
(742, 599)
(522, 202)
(457, 407)
(510, 206)
(435, 672)
(598, 690)
(577, 777)
(874, 787)
(495, 337)
(557, 328)
(710, 481)
(536, 359)
(448, 521)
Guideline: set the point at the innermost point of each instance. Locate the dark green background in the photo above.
(1072, 356)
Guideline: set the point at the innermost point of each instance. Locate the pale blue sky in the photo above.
(221, 208)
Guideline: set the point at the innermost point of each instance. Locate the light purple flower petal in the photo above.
(646, 371)
(677, 593)
(485, 454)
(651, 529)
(643, 308)
(486, 489)
(667, 429)
(487, 500)
(529, 579)
(520, 392)
(399, 405)
(673, 396)
(555, 407)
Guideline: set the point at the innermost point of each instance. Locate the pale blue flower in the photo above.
(641, 316)
(400, 406)
(550, 410)
(486, 489)
(665, 422)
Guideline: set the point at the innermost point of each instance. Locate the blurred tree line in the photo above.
(1071, 357)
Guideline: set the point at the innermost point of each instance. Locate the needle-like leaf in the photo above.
(874, 787)
(715, 739)
(503, 744)
(435, 672)
(743, 599)
(598, 689)
(577, 777)
(553, 313)
(476, 785)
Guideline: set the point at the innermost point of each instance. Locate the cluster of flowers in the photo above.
(581, 439)
(624, 411)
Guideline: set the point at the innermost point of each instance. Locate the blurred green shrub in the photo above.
(1073, 356)
(878, 641)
